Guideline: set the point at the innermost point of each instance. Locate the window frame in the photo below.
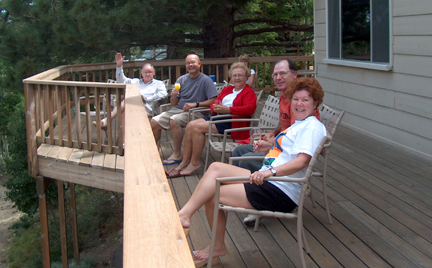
(383, 66)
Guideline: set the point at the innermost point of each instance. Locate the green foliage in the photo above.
(84, 262)
(25, 249)
(98, 213)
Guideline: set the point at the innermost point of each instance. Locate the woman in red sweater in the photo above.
(239, 99)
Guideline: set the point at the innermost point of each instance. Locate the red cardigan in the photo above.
(244, 105)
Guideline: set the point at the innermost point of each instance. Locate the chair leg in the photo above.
(311, 196)
(214, 225)
(256, 223)
(325, 191)
(300, 242)
(207, 156)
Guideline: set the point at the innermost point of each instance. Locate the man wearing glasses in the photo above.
(284, 72)
(196, 90)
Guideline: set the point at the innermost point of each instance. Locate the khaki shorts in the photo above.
(176, 114)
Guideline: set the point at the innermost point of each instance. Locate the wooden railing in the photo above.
(61, 104)
(172, 69)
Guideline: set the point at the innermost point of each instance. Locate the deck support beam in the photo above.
(74, 222)
(41, 185)
(62, 218)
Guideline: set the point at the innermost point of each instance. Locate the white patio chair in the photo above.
(268, 119)
(296, 214)
(331, 118)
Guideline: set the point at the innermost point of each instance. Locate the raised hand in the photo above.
(119, 59)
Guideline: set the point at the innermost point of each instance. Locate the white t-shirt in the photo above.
(229, 99)
(301, 137)
(252, 72)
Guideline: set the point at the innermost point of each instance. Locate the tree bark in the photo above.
(219, 32)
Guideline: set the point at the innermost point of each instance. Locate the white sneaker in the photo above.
(250, 219)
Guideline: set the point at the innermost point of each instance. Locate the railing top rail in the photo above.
(60, 70)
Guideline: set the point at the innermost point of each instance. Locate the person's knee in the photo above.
(174, 124)
(155, 125)
(214, 167)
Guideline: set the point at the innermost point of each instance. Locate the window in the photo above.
(359, 32)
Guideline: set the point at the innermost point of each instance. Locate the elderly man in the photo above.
(151, 89)
(197, 90)
(284, 72)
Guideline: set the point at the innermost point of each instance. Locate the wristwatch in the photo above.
(273, 171)
(197, 103)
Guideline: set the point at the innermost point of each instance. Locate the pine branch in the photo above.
(270, 44)
(259, 20)
(279, 28)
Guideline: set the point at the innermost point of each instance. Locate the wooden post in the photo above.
(74, 222)
(62, 216)
(41, 184)
(31, 118)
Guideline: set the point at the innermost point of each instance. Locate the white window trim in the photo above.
(362, 64)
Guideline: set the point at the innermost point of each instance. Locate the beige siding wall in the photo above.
(396, 105)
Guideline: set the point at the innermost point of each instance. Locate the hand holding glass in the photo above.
(255, 134)
(216, 105)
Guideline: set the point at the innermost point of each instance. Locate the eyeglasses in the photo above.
(238, 75)
(274, 75)
(148, 72)
(190, 63)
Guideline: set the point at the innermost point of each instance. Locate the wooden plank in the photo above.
(75, 156)
(98, 160)
(120, 164)
(148, 199)
(110, 162)
(88, 176)
(54, 152)
(86, 158)
(43, 150)
(64, 154)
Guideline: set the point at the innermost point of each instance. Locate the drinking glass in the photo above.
(177, 86)
(217, 102)
(255, 134)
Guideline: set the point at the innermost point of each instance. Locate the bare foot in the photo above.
(182, 165)
(190, 168)
(185, 222)
(204, 254)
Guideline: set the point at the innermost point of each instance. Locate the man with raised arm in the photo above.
(151, 89)
(196, 90)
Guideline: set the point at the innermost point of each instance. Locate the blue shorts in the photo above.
(220, 126)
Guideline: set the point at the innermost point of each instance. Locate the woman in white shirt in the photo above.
(289, 156)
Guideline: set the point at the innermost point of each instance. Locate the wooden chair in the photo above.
(298, 214)
(331, 118)
(268, 119)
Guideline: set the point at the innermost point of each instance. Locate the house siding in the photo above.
(396, 105)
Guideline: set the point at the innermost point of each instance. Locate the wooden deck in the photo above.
(380, 201)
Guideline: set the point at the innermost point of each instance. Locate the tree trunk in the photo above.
(218, 33)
